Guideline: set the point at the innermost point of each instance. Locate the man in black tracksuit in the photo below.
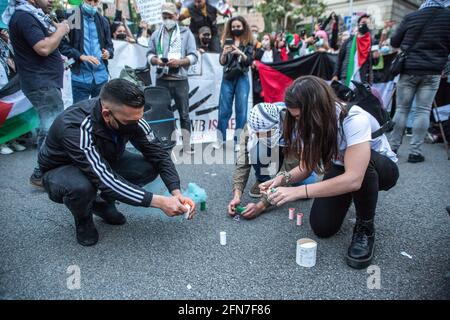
(85, 152)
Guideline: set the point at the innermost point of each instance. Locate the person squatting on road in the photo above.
(261, 147)
(85, 153)
(331, 140)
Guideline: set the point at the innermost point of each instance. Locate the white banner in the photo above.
(205, 79)
(150, 10)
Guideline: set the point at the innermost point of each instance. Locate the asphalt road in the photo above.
(156, 257)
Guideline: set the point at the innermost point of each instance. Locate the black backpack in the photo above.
(363, 97)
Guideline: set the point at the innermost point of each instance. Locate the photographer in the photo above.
(172, 49)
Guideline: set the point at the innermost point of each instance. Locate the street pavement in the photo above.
(157, 257)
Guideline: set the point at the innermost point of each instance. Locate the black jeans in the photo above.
(68, 184)
(179, 91)
(48, 104)
(327, 214)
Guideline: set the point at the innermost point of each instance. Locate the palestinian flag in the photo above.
(276, 77)
(17, 115)
(359, 53)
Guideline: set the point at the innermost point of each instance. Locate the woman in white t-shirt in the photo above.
(354, 165)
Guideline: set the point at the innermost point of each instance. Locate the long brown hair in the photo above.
(314, 135)
(245, 39)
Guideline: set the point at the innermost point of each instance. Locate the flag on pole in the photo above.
(17, 115)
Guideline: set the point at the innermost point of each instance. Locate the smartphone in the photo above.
(229, 42)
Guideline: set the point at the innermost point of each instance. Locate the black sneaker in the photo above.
(108, 212)
(36, 178)
(408, 132)
(87, 234)
(360, 252)
(414, 158)
(255, 192)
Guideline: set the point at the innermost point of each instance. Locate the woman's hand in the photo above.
(232, 206)
(227, 49)
(237, 51)
(273, 183)
(283, 195)
(253, 210)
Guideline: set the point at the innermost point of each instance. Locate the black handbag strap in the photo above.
(424, 26)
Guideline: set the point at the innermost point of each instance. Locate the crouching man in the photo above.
(86, 167)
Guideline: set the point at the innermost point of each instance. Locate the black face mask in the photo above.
(237, 32)
(121, 36)
(125, 129)
(363, 28)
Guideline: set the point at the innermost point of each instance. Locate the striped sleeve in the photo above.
(86, 157)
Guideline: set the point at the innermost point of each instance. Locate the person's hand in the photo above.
(158, 62)
(232, 206)
(227, 49)
(184, 200)
(283, 195)
(335, 78)
(63, 27)
(175, 63)
(89, 59)
(202, 51)
(273, 183)
(253, 210)
(105, 54)
(236, 51)
(310, 40)
(172, 206)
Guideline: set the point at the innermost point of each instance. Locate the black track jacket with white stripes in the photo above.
(80, 137)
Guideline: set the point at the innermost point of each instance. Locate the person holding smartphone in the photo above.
(172, 50)
(236, 57)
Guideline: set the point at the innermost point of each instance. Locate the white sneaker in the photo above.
(4, 149)
(237, 147)
(218, 145)
(17, 146)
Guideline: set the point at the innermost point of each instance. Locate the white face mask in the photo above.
(319, 43)
(169, 23)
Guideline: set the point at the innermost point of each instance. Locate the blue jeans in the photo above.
(423, 89)
(48, 104)
(238, 90)
(83, 91)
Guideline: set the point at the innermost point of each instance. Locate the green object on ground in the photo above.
(202, 206)
(240, 209)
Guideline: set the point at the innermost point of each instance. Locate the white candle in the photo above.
(223, 238)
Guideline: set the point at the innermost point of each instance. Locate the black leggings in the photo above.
(327, 214)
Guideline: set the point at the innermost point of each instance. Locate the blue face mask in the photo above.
(90, 10)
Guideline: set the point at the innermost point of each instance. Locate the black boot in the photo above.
(87, 234)
(360, 252)
(108, 212)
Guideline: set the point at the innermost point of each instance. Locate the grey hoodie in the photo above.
(188, 49)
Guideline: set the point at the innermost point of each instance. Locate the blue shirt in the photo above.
(89, 72)
(35, 71)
